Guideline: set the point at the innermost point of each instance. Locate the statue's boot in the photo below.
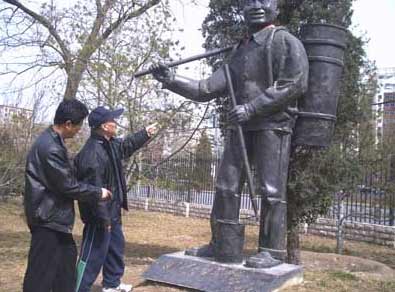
(228, 244)
(272, 235)
(230, 241)
(262, 260)
(206, 251)
(225, 209)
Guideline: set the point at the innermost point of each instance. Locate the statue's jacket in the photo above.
(269, 73)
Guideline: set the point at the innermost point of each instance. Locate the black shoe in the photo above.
(205, 251)
(262, 260)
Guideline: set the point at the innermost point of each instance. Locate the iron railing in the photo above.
(368, 199)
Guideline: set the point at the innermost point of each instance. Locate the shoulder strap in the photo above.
(269, 58)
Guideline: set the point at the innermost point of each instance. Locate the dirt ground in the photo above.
(365, 267)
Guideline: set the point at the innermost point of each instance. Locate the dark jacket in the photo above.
(51, 186)
(100, 163)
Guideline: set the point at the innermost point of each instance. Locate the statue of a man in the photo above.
(269, 72)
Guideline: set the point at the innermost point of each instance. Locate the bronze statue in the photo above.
(269, 72)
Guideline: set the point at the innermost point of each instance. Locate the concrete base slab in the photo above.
(205, 274)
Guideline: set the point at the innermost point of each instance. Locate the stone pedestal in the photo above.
(205, 274)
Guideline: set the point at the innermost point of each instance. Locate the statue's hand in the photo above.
(239, 114)
(162, 73)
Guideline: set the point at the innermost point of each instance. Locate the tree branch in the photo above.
(66, 55)
(189, 139)
(127, 16)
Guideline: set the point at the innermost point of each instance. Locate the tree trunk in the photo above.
(74, 77)
(293, 246)
(71, 89)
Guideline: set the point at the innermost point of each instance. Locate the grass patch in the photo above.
(149, 235)
(318, 247)
(343, 276)
(382, 254)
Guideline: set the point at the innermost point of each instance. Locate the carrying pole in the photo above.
(187, 60)
(243, 149)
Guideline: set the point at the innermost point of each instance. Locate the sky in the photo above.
(374, 19)
(189, 17)
(375, 22)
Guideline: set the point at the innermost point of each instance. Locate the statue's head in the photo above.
(258, 13)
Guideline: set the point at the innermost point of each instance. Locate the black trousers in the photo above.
(51, 262)
(268, 152)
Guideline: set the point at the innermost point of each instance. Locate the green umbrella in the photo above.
(81, 265)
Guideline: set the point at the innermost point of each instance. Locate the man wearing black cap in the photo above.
(99, 163)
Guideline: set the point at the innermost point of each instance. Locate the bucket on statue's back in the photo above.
(325, 45)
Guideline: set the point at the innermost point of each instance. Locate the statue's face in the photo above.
(259, 12)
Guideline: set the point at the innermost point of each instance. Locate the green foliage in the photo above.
(294, 13)
(14, 141)
(203, 161)
(314, 176)
(223, 26)
(203, 149)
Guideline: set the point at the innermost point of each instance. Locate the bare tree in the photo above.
(64, 38)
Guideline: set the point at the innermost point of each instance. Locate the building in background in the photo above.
(14, 114)
(385, 100)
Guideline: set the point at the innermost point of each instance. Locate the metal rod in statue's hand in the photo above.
(187, 60)
(242, 145)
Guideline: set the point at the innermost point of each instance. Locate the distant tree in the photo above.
(15, 137)
(203, 160)
(203, 148)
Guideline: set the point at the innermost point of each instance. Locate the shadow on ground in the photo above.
(140, 254)
(150, 285)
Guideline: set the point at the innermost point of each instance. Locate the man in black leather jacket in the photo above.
(50, 191)
(100, 163)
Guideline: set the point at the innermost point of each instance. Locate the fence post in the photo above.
(147, 198)
(189, 178)
(392, 210)
(340, 220)
(187, 208)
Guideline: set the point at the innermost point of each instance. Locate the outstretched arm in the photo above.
(196, 90)
(135, 141)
